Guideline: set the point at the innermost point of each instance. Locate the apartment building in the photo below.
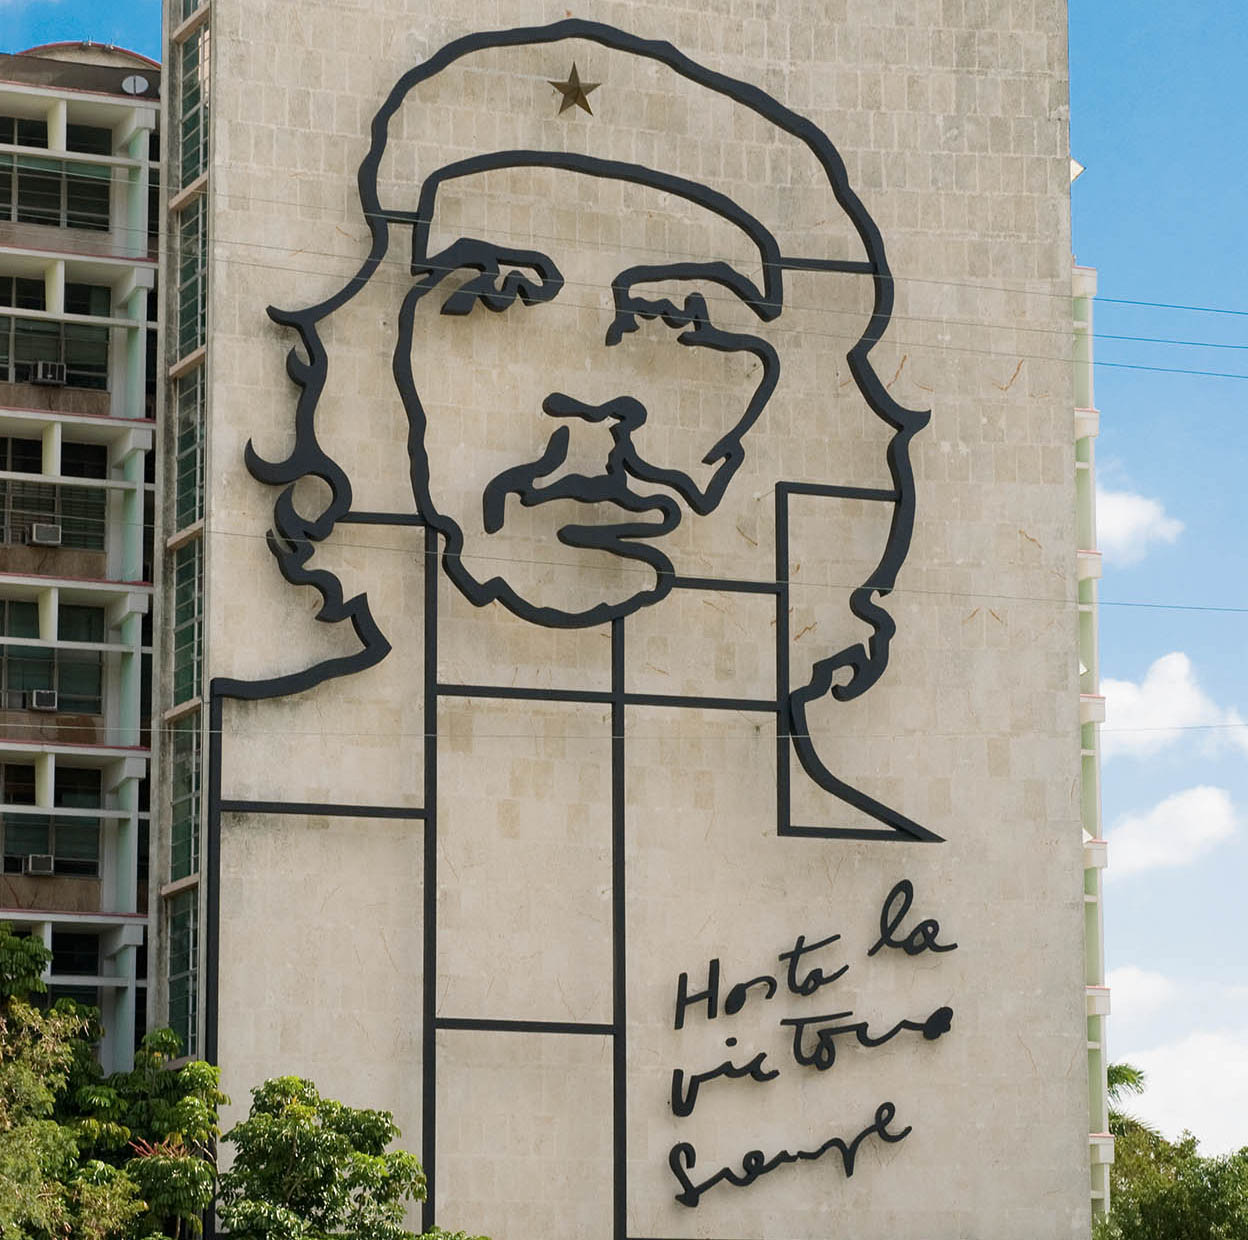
(79, 154)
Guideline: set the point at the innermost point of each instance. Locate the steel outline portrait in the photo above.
(843, 675)
(294, 535)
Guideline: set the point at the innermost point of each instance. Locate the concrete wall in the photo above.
(951, 120)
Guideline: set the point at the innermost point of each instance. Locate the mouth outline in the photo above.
(611, 486)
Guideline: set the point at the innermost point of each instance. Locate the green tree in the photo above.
(310, 1168)
(1122, 1079)
(1163, 1190)
(159, 1126)
(46, 1188)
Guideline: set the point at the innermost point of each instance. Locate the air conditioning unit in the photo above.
(38, 864)
(45, 534)
(41, 699)
(50, 373)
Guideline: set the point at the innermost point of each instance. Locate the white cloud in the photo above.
(1143, 718)
(1127, 524)
(1175, 832)
(1136, 993)
(1200, 1083)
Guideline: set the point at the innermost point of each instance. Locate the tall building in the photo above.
(1091, 716)
(630, 662)
(78, 263)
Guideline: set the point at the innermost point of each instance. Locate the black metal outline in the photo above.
(327, 809)
(624, 463)
(293, 538)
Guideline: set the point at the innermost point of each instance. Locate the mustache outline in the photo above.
(609, 487)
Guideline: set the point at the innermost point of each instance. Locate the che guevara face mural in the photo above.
(636, 298)
(583, 323)
(591, 405)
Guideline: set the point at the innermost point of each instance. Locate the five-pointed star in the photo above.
(574, 91)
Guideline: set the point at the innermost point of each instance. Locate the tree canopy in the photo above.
(309, 1168)
(1164, 1190)
(87, 1156)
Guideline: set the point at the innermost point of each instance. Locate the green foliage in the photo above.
(22, 962)
(90, 1157)
(1122, 1079)
(1163, 1190)
(45, 1190)
(159, 1126)
(309, 1168)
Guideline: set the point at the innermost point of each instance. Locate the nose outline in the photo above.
(627, 411)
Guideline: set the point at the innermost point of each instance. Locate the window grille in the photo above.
(183, 936)
(192, 276)
(193, 61)
(188, 634)
(184, 798)
(189, 464)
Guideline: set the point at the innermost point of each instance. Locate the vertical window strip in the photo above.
(193, 101)
(185, 746)
(192, 305)
(188, 620)
(189, 462)
(182, 932)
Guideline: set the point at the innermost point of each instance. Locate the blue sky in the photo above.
(1156, 118)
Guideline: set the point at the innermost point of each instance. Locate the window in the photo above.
(36, 189)
(77, 845)
(89, 139)
(22, 131)
(87, 996)
(192, 276)
(83, 510)
(75, 955)
(17, 779)
(184, 799)
(189, 468)
(80, 673)
(24, 343)
(72, 841)
(77, 675)
(23, 456)
(183, 914)
(80, 511)
(84, 460)
(153, 188)
(88, 299)
(188, 597)
(23, 668)
(193, 98)
(78, 787)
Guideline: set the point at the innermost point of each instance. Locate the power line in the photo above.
(168, 729)
(895, 277)
(772, 329)
(361, 215)
(899, 590)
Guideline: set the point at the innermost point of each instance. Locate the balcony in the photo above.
(66, 181)
(54, 859)
(53, 528)
(65, 662)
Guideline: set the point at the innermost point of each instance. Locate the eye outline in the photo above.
(493, 289)
(694, 313)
